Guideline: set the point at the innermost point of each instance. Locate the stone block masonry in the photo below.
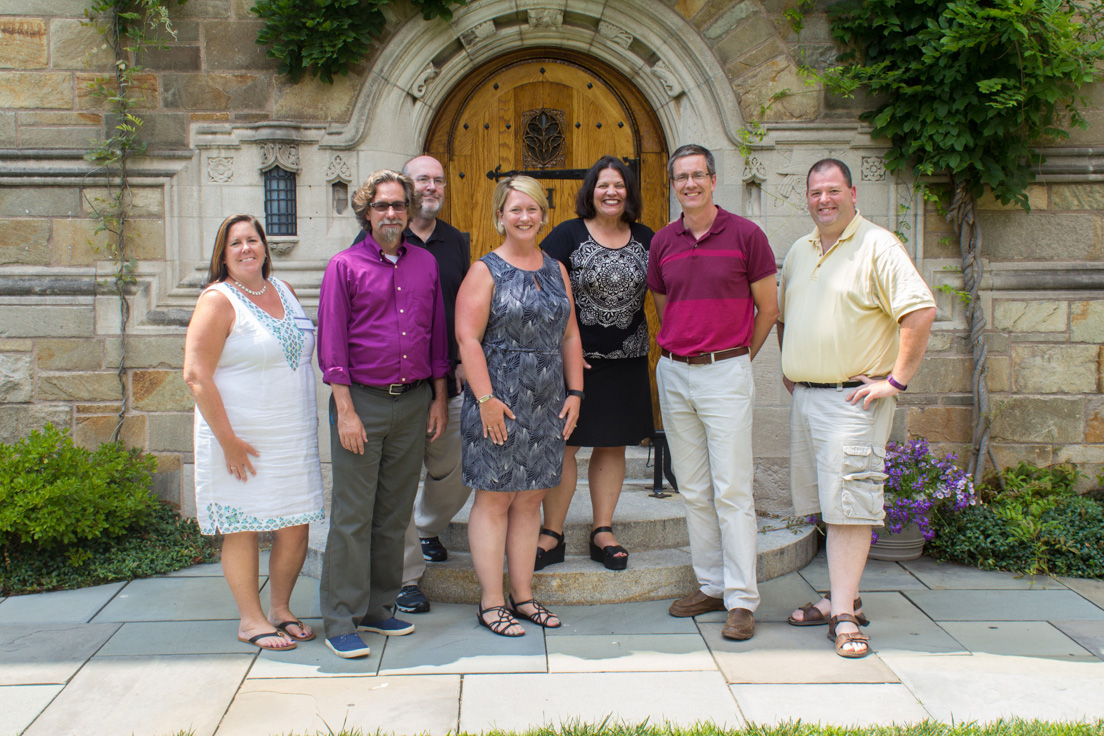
(212, 86)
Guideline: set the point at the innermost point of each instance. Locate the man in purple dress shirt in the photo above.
(383, 348)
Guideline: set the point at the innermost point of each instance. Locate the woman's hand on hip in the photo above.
(570, 414)
(237, 453)
(493, 413)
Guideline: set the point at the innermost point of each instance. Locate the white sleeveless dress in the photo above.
(266, 381)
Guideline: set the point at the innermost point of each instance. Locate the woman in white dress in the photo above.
(247, 360)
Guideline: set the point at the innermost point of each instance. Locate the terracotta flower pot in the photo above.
(908, 544)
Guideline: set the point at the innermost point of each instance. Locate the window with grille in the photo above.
(279, 204)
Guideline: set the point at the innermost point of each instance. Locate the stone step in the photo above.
(638, 463)
(652, 529)
(652, 574)
(641, 521)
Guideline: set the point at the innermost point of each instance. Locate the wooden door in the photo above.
(550, 114)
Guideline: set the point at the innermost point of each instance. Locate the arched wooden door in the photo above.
(550, 114)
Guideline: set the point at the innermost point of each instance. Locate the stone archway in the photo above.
(652, 46)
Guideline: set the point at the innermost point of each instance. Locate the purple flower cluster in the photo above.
(919, 484)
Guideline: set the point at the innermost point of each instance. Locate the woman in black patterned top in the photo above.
(605, 251)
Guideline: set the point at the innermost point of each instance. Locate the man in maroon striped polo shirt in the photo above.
(712, 276)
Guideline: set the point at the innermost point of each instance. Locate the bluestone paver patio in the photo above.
(160, 655)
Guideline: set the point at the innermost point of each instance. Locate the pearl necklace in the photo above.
(247, 290)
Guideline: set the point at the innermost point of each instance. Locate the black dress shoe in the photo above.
(433, 550)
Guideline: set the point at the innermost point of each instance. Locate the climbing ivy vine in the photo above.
(128, 27)
(969, 90)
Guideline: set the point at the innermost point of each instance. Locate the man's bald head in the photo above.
(429, 181)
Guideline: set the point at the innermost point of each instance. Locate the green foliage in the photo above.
(796, 15)
(162, 543)
(969, 88)
(1033, 522)
(327, 37)
(54, 494)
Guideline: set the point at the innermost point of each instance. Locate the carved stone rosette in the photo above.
(873, 168)
(220, 169)
(284, 154)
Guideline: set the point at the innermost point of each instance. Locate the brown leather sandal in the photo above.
(844, 638)
(811, 615)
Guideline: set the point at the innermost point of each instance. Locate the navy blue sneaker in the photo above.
(412, 600)
(348, 646)
(389, 627)
(433, 550)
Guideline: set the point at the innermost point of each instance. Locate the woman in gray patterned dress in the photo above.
(518, 340)
(605, 251)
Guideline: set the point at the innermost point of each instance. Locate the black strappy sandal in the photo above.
(546, 557)
(608, 556)
(540, 615)
(502, 621)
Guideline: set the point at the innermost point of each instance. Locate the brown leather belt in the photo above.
(705, 358)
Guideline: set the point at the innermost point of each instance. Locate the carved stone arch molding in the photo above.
(653, 46)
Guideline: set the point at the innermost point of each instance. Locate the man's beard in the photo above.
(389, 233)
(430, 208)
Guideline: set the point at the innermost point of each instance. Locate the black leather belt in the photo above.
(841, 384)
(704, 358)
(393, 389)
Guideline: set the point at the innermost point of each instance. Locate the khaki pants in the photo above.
(441, 495)
(837, 455)
(707, 418)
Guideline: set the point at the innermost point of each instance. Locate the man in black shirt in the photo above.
(443, 492)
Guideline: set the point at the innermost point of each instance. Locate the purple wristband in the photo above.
(893, 382)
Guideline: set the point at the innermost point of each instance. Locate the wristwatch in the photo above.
(576, 392)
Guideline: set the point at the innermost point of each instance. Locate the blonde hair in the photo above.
(527, 186)
(364, 195)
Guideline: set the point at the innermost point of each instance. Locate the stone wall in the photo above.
(211, 98)
(1044, 299)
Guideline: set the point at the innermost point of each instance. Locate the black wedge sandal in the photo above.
(546, 557)
(608, 555)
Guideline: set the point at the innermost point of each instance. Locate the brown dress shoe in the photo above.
(695, 603)
(740, 625)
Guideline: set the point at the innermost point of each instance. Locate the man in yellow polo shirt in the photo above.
(854, 324)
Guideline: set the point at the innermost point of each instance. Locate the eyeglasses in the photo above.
(423, 180)
(398, 206)
(697, 176)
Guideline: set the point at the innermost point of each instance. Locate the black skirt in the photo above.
(617, 409)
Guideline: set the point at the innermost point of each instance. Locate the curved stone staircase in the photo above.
(652, 529)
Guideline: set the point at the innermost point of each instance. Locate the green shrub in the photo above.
(162, 543)
(1032, 522)
(54, 494)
